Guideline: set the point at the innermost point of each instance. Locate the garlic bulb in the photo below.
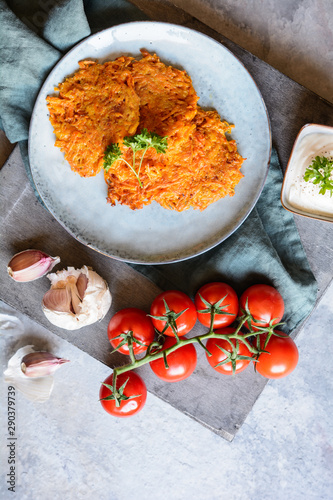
(30, 265)
(77, 298)
(37, 387)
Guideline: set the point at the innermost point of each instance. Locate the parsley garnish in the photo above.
(112, 153)
(147, 140)
(320, 172)
(137, 142)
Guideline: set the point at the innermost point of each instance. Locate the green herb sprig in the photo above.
(137, 142)
(319, 172)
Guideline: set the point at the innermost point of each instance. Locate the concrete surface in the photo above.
(70, 448)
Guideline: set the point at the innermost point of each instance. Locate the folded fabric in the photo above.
(34, 35)
(265, 249)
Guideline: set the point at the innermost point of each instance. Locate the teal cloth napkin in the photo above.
(265, 249)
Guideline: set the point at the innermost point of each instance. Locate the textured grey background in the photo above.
(283, 449)
(229, 401)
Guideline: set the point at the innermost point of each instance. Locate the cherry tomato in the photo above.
(218, 355)
(135, 386)
(213, 293)
(130, 320)
(177, 301)
(181, 362)
(265, 304)
(282, 358)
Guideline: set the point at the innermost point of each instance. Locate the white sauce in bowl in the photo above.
(302, 196)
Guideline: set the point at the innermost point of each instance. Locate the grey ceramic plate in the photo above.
(153, 234)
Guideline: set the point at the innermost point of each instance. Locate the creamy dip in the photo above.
(304, 195)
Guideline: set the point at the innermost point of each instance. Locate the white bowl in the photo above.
(297, 195)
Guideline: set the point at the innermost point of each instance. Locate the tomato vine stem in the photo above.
(155, 349)
(151, 356)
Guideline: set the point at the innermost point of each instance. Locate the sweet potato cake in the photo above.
(105, 111)
(96, 106)
(167, 97)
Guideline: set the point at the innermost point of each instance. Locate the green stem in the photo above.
(212, 317)
(137, 363)
(114, 390)
(199, 339)
(203, 346)
(133, 169)
(173, 327)
(142, 159)
(131, 351)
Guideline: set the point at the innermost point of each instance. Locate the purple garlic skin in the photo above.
(30, 265)
(41, 364)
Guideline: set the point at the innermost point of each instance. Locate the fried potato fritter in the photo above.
(102, 104)
(167, 97)
(95, 107)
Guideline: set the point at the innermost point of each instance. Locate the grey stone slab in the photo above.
(219, 404)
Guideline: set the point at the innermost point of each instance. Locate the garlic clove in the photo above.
(30, 265)
(41, 364)
(63, 297)
(58, 299)
(90, 298)
(75, 297)
(33, 388)
(81, 285)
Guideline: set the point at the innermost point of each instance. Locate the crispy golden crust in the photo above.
(95, 107)
(167, 97)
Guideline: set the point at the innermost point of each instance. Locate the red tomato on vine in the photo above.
(281, 359)
(128, 325)
(224, 300)
(177, 308)
(226, 358)
(181, 363)
(132, 393)
(265, 304)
